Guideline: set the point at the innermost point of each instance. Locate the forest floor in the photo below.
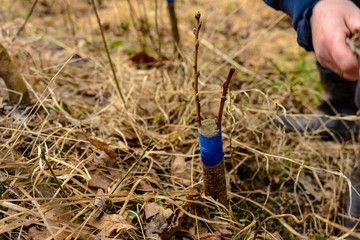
(80, 127)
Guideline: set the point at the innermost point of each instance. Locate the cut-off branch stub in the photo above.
(211, 149)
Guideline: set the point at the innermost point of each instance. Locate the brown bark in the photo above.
(215, 182)
(214, 176)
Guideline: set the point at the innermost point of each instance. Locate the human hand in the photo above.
(331, 22)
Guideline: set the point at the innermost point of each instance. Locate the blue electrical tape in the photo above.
(170, 1)
(211, 149)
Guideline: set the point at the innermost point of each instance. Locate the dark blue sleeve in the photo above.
(300, 11)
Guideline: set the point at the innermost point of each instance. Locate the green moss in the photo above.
(286, 234)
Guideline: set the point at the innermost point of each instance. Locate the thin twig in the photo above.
(108, 54)
(133, 166)
(223, 97)
(52, 172)
(159, 44)
(196, 72)
(27, 18)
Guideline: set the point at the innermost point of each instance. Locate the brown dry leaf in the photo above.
(101, 145)
(143, 58)
(98, 180)
(57, 217)
(175, 224)
(276, 235)
(129, 136)
(34, 233)
(156, 225)
(116, 173)
(309, 185)
(181, 169)
(146, 186)
(108, 223)
(159, 219)
(151, 209)
(222, 228)
(212, 236)
(43, 190)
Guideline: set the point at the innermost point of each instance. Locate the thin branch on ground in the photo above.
(27, 18)
(133, 166)
(108, 55)
(43, 157)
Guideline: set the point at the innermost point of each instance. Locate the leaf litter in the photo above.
(80, 118)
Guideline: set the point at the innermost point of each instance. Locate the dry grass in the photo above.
(77, 107)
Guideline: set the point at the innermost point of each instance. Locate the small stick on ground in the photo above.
(27, 18)
(108, 54)
(223, 97)
(196, 72)
(133, 166)
(52, 173)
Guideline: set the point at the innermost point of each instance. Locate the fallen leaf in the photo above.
(127, 134)
(100, 144)
(309, 185)
(175, 224)
(157, 224)
(277, 235)
(158, 216)
(108, 223)
(56, 218)
(211, 236)
(153, 208)
(222, 227)
(130, 137)
(98, 180)
(145, 186)
(142, 58)
(34, 233)
(181, 170)
(116, 173)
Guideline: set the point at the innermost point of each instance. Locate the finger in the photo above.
(352, 19)
(344, 58)
(325, 59)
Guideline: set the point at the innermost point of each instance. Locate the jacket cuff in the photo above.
(300, 11)
(303, 28)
